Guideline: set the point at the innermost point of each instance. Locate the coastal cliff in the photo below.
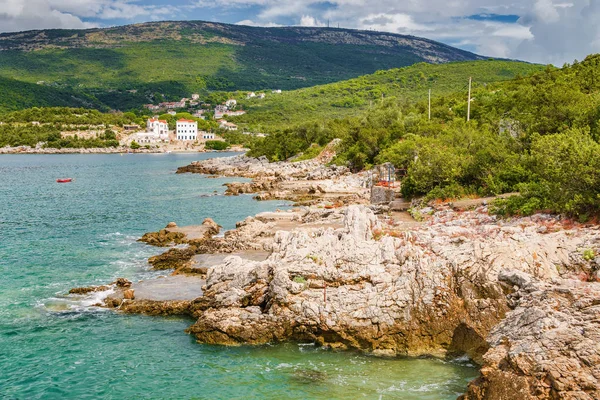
(519, 296)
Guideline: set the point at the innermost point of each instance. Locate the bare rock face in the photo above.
(163, 238)
(344, 289)
(173, 259)
(548, 347)
(213, 228)
(437, 290)
(122, 283)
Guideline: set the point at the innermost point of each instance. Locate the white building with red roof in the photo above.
(187, 130)
(158, 128)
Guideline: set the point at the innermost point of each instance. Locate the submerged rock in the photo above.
(89, 289)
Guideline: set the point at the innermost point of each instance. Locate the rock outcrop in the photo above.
(547, 347)
(434, 290)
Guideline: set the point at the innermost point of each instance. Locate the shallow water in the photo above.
(57, 236)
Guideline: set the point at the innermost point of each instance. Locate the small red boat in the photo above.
(64, 180)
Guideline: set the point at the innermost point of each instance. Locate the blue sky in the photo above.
(545, 31)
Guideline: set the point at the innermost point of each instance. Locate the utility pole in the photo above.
(430, 104)
(469, 102)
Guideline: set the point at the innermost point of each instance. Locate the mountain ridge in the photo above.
(97, 36)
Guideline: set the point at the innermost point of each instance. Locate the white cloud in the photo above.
(15, 15)
(19, 15)
(307, 20)
(249, 22)
(545, 10)
(398, 23)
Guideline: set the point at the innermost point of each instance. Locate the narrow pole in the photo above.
(469, 102)
(430, 104)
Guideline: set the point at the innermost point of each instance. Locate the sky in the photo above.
(542, 31)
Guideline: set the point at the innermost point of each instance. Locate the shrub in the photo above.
(216, 145)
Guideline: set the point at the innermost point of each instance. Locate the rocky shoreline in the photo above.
(103, 150)
(519, 296)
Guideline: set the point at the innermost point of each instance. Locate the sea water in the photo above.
(57, 236)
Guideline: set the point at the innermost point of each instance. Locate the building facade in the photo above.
(159, 128)
(187, 130)
(206, 135)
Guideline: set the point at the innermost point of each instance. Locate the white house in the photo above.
(195, 96)
(220, 110)
(206, 135)
(261, 95)
(187, 130)
(159, 128)
(227, 125)
(251, 95)
(276, 91)
(231, 103)
(146, 138)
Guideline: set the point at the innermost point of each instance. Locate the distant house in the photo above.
(199, 114)
(187, 130)
(152, 107)
(261, 95)
(195, 96)
(206, 135)
(277, 91)
(146, 138)
(159, 128)
(231, 103)
(251, 95)
(132, 127)
(173, 105)
(172, 113)
(227, 125)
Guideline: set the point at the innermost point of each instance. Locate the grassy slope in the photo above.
(122, 67)
(346, 98)
(178, 58)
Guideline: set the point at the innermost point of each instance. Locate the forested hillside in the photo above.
(17, 95)
(128, 65)
(346, 98)
(537, 135)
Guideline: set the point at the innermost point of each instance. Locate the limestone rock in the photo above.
(548, 347)
(122, 283)
(163, 238)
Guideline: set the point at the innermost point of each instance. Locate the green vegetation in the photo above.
(125, 67)
(17, 95)
(44, 125)
(343, 99)
(589, 254)
(310, 153)
(135, 145)
(537, 135)
(216, 145)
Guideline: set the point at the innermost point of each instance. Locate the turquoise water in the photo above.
(57, 236)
